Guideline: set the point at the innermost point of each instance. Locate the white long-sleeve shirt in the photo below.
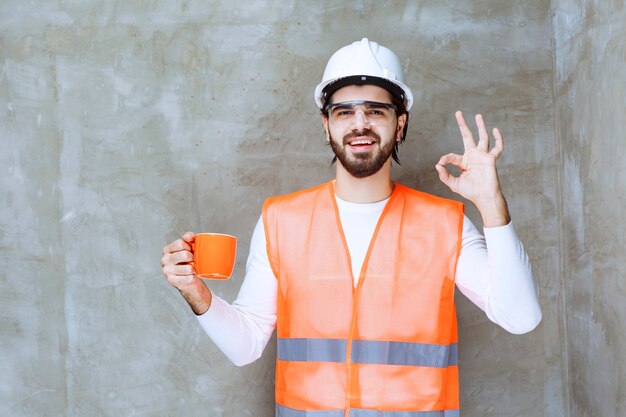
(492, 271)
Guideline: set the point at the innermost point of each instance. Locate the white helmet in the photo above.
(360, 60)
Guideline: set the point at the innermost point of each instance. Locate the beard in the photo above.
(361, 165)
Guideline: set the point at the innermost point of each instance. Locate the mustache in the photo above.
(365, 132)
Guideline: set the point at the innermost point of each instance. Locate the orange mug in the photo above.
(214, 255)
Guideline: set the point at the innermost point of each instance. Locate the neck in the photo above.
(370, 189)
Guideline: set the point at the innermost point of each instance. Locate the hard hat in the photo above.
(363, 62)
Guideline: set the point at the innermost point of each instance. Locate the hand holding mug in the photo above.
(178, 263)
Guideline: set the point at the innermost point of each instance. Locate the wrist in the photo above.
(494, 212)
(198, 296)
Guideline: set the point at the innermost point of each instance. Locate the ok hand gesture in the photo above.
(478, 181)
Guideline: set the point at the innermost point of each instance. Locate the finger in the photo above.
(181, 270)
(175, 246)
(189, 237)
(178, 280)
(483, 142)
(498, 146)
(175, 273)
(466, 133)
(443, 172)
(180, 257)
(451, 158)
(444, 175)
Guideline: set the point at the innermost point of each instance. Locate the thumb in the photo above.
(444, 175)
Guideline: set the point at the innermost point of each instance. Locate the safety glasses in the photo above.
(373, 112)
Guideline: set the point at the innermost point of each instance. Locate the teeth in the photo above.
(361, 142)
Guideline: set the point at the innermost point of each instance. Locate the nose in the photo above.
(359, 121)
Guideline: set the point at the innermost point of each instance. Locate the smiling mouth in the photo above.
(360, 142)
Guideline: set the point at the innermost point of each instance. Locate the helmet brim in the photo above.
(325, 90)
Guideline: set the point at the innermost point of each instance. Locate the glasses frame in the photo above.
(331, 106)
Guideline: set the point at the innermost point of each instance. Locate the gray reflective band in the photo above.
(403, 353)
(355, 412)
(312, 350)
(282, 411)
(368, 351)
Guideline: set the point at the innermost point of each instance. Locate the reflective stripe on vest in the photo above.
(356, 412)
(368, 351)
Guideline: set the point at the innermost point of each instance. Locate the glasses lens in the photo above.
(373, 111)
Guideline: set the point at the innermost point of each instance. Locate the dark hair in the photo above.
(397, 99)
(401, 110)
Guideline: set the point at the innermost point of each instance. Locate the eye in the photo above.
(343, 112)
(377, 112)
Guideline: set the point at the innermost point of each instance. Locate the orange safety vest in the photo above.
(385, 348)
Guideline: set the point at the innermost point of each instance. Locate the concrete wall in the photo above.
(124, 124)
(590, 46)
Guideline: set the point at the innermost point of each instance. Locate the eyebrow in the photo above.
(351, 103)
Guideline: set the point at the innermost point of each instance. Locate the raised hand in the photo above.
(478, 181)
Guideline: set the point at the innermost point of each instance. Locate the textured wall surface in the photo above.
(590, 43)
(124, 124)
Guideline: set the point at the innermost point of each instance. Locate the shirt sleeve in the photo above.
(494, 272)
(241, 330)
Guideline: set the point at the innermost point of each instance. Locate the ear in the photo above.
(402, 119)
(325, 123)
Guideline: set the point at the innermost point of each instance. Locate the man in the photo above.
(358, 274)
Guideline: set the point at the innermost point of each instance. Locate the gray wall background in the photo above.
(124, 124)
(590, 103)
